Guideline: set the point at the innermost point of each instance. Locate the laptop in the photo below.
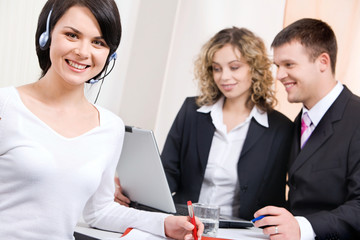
(143, 178)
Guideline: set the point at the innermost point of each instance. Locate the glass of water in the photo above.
(209, 216)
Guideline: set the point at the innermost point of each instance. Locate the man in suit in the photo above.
(324, 166)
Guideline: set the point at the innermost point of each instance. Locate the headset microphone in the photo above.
(93, 81)
(44, 37)
(112, 57)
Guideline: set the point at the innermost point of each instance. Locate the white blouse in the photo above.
(221, 184)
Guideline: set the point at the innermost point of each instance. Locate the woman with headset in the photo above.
(58, 152)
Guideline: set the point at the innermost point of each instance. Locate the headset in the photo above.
(93, 81)
(112, 57)
(44, 37)
(43, 43)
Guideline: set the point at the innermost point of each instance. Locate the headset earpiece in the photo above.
(113, 57)
(44, 37)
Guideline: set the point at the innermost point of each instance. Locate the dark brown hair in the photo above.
(315, 35)
(105, 12)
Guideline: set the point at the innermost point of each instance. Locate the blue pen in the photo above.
(258, 218)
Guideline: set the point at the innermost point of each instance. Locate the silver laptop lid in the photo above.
(141, 173)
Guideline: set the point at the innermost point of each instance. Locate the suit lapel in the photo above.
(205, 134)
(321, 133)
(254, 133)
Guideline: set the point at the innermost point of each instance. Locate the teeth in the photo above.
(288, 85)
(228, 86)
(75, 65)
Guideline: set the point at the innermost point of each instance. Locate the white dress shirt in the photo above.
(316, 113)
(221, 184)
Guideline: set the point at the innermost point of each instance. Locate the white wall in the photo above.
(18, 62)
(196, 22)
(146, 65)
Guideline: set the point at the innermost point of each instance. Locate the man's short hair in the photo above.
(315, 35)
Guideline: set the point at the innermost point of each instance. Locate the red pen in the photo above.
(192, 218)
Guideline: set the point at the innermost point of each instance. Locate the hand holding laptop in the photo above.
(119, 197)
(179, 227)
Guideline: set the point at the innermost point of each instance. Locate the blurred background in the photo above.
(161, 39)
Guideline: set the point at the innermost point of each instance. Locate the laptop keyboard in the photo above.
(181, 209)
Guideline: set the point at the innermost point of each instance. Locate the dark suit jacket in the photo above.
(261, 167)
(324, 177)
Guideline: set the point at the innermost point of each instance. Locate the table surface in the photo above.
(228, 233)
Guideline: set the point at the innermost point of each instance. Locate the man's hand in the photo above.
(279, 223)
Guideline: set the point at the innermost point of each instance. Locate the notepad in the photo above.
(132, 234)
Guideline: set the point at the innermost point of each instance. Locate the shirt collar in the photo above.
(320, 108)
(216, 110)
(260, 116)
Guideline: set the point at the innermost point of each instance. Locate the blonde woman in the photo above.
(228, 146)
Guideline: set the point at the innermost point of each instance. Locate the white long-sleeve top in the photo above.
(48, 180)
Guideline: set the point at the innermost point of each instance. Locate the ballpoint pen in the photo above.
(192, 218)
(258, 218)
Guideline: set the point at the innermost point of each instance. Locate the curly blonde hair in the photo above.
(253, 51)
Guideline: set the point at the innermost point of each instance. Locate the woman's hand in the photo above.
(180, 227)
(119, 196)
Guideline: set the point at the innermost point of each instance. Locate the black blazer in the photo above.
(261, 168)
(324, 177)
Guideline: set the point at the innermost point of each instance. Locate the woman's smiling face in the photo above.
(231, 73)
(78, 51)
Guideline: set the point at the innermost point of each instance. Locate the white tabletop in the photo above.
(228, 233)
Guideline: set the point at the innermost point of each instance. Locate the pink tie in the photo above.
(305, 128)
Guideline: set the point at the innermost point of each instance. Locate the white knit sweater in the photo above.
(47, 180)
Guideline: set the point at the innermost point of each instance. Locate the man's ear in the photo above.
(324, 62)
